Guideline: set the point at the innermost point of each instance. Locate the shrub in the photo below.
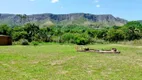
(24, 42)
(68, 37)
(115, 35)
(16, 43)
(81, 39)
(35, 43)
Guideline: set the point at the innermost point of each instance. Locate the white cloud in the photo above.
(98, 6)
(54, 1)
(32, 0)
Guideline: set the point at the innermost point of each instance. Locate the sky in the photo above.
(127, 9)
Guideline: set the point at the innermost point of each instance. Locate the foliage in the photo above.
(81, 39)
(35, 43)
(45, 34)
(31, 30)
(68, 37)
(5, 30)
(75, 34)
(24, 42)
(115, 35)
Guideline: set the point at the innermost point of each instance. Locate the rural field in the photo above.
(62, 62)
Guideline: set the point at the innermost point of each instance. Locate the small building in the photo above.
(5, 40)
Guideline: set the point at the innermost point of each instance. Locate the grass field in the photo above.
(62, 62)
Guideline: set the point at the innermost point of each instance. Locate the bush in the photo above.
(35, 43)
(68, 37)
(16, 43)
(24, 42)
(81, 39)
(114, 35)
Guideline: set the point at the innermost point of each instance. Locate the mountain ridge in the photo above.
(63, 19)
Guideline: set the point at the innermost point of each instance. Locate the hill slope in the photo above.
(63, 19)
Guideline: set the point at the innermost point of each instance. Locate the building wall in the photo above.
(5, 40)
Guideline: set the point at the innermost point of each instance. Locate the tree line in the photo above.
(75, 34)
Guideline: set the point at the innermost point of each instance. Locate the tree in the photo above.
(68, 37)
(115, 35)
(19, 33)
(101, 33)
(5, 30)
(32, 30)
(133, 30)
(131, 33)
(135, 24)
(81, 39)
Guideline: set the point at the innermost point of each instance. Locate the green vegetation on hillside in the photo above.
(75, 34)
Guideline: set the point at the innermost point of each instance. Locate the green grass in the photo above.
(62, 62)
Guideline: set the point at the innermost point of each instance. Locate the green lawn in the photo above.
(62, 62)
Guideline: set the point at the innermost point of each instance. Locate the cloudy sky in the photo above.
(127, 9)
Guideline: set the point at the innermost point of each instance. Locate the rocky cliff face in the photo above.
(80, 18)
